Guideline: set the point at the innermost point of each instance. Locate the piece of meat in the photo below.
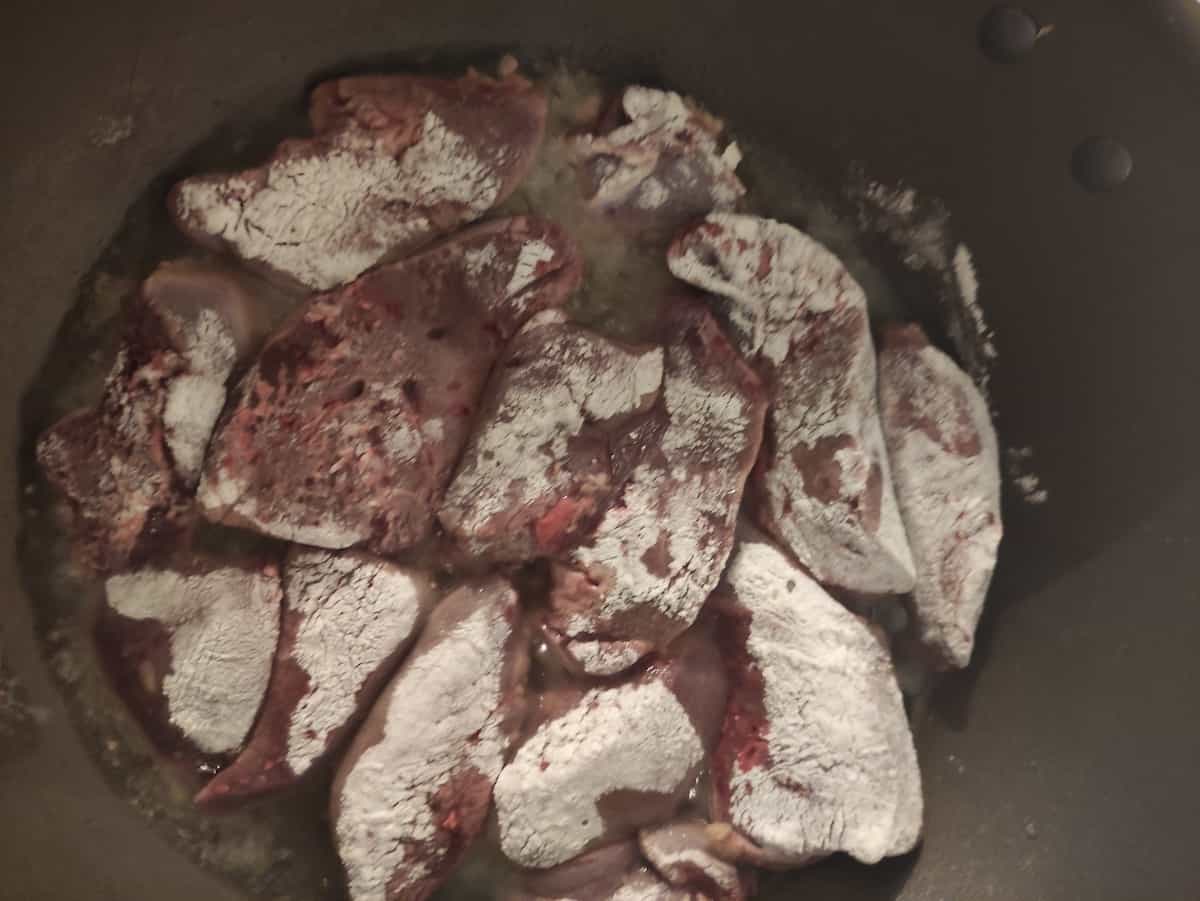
(621, 757)
(539, 467)
(946, 465)
(348, 424)
(614, 871)
(348, 619)
(415, 787)
(395, 161)
(815, 754)
(823, 486)
(190, 646)
(662, 167)
(129, 466)
(642, 576)
(679, 852)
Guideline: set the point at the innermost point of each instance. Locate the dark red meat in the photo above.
(349, 423)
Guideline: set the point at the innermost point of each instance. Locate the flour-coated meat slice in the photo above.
(815, 754)
(348, 425)
(658, 551)
(679, 851)
(395, 161)
(348, 618)
(666, 164)
(823, 485)
(190, 645)
(129, 466)
(415, 787)
(539, 466)
(946, 465)
(620, 757)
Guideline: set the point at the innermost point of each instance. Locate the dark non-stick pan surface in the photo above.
(1062, 764)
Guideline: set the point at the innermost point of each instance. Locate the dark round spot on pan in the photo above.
(1006, 33)
(1101, 163)
(411, 390)
(436, 334)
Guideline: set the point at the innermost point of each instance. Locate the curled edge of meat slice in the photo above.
(815, 755)
(823, 486)
(415, 787)
(128, 467)
(348, 619)
(406, 158)
(946, 465)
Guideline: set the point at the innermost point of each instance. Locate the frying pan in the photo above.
(1062, 764)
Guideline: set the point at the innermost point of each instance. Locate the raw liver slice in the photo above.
(190, 647)
(658, 551)
(540, 467)
(395, 161)
(415, 787)
(662, 167)
(348, 424)
(348, 619)
(622, 756)
(823, 485)
(815, 754)
(947, 470)
(129, 466)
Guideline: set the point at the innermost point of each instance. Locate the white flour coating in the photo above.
(950, 502)
(326, 217)
(662, 124)
(1029, 484)
(572, 377)
(533, 253)
(195, 398)
(681, 507)
(223, 627)
(678, 851)
(442, 720)
(357, 611)
(225, 495)
(605, 658)
(767, 302)
(841, 771)
(968, 287)
(780, 284)
(636, 737)
(192, 408)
